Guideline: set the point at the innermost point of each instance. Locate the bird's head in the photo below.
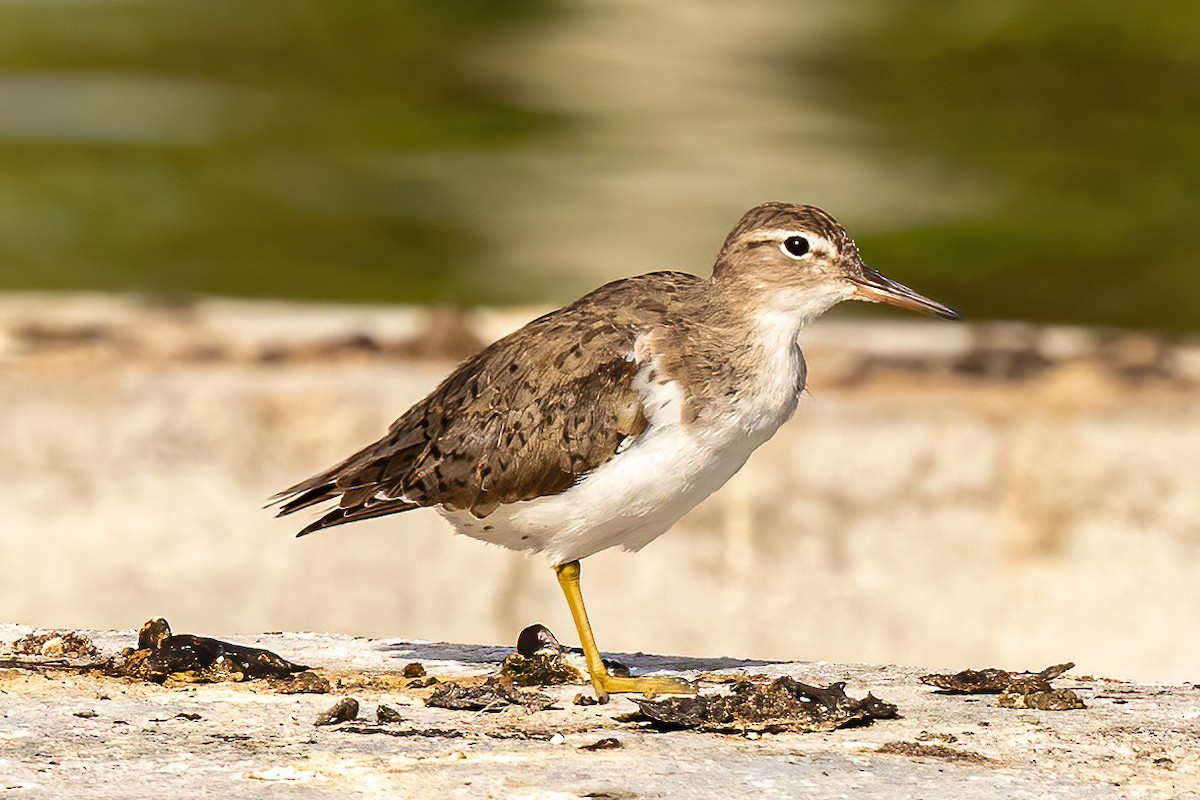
(798, 259)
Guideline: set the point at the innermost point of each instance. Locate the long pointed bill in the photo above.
(876, 288)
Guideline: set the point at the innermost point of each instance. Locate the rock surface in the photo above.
(66, 732)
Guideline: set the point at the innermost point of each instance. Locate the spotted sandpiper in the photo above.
(604, 422)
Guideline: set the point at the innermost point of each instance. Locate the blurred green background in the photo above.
(1018, 159)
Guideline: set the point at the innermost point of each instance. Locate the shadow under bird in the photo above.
(602, 423)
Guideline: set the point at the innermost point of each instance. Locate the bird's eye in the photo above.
(795, 246)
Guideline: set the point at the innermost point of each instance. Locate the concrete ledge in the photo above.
(68, 733)
(56, 329)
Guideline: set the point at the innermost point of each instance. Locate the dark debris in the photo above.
(759, 706)
(492, 695)
(540, 669)
(607, 743)
(56, 644)
(1016, 690)
(198, 659)
(537, 638)
(343, 710)
(540, 660)
(404, 732)
(387, 713)
(970, 681)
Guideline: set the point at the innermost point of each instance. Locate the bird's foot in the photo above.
(650, 686)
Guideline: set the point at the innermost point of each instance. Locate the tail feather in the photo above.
(361, 484)
(340, 516)
(290, 501)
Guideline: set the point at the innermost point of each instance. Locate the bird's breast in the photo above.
(761, 391)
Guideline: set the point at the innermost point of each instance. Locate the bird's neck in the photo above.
(736, 350)
(773, 312)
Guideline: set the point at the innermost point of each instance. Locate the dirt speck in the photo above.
(343, 710)
(56, 644)
(388, 713)
(607, 743)
(307, 682)
(939, 751)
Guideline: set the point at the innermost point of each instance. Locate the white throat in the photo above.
(802, 306)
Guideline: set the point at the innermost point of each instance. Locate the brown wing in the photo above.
(524, 418)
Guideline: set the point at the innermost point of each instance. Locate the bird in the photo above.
(602, 423)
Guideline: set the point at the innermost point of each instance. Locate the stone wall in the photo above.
(958, 495)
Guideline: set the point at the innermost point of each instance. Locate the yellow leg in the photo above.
(602, 682)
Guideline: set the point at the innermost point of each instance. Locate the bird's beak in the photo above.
(873, 287)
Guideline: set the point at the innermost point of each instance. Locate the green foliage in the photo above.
(264, 147)
(1081, 122)
(299, 148)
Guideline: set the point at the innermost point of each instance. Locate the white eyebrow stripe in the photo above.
(815, 240)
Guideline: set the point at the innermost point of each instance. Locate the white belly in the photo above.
(628, 501)
(643, 490)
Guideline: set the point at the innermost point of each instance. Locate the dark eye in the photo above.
(795, 246)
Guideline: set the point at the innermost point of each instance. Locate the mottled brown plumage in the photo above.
(524, 418)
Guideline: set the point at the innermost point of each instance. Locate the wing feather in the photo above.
(524, 418)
